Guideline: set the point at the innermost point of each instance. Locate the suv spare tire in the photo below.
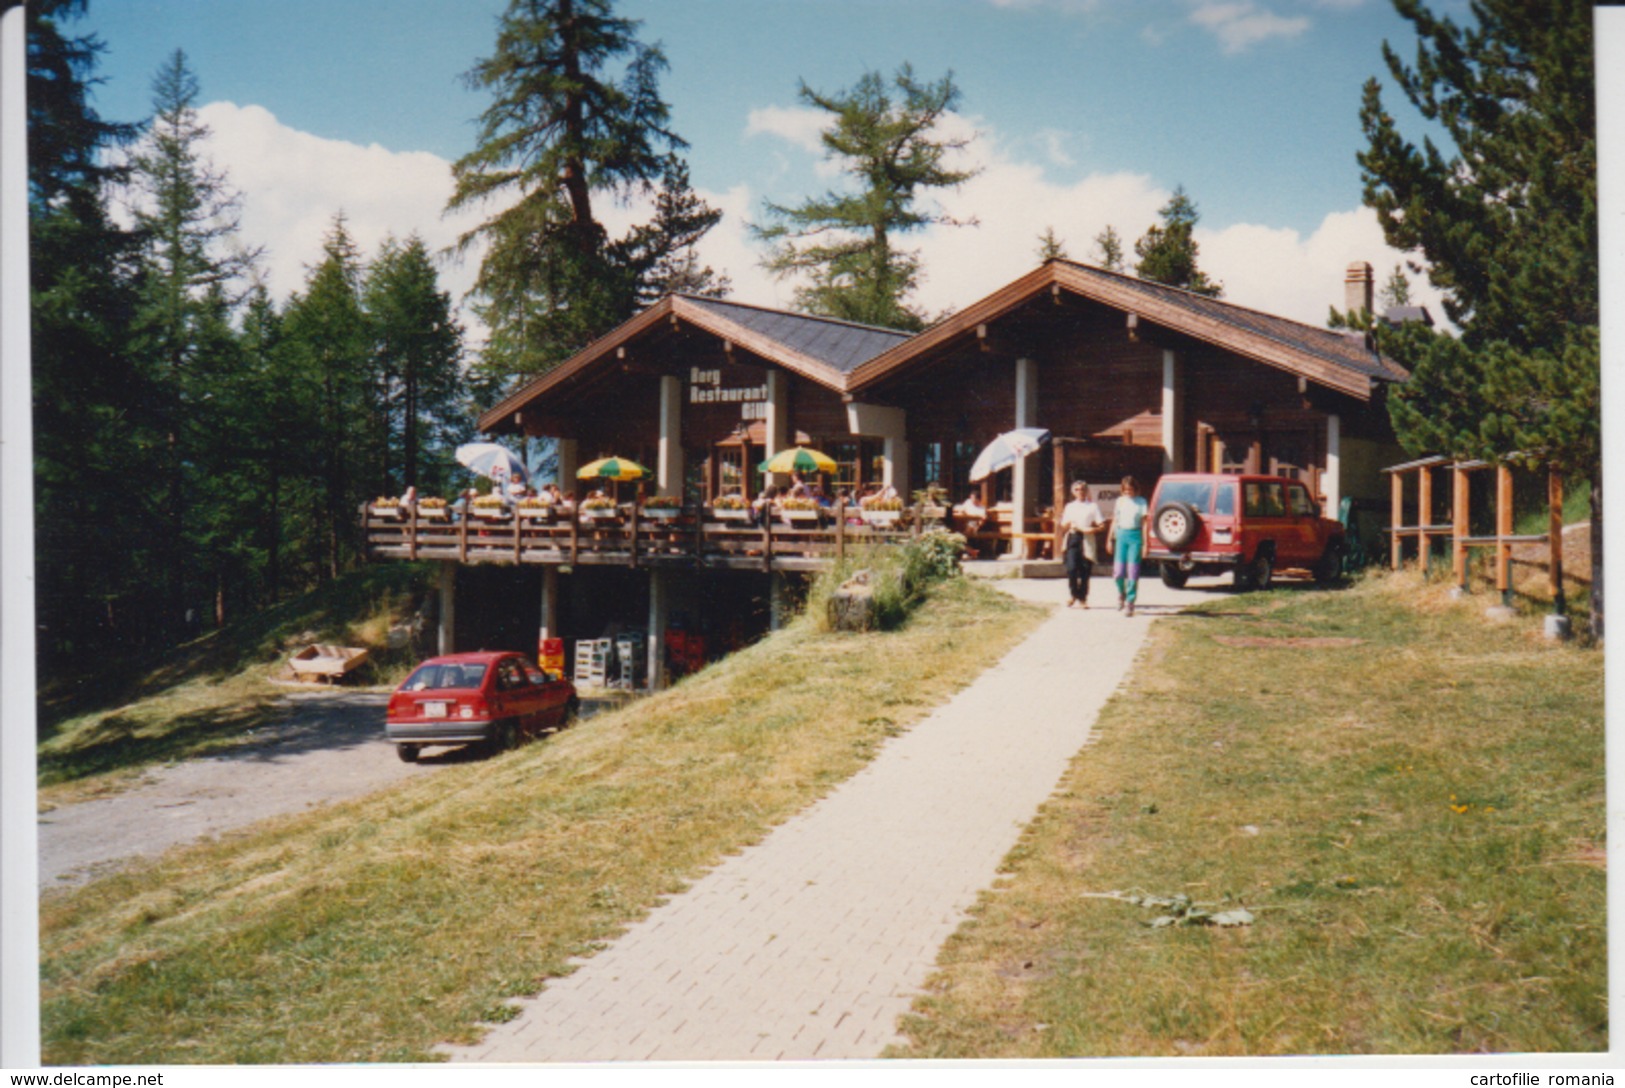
(1176, 524)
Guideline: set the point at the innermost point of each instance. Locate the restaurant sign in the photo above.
(705, 387)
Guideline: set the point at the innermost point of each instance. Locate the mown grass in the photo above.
(211, 693)
(372, 930)
(1415, 819)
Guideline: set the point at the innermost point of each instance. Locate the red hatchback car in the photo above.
(493, 699)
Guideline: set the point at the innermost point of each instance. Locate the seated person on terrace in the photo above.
(971, 507)
(766, 504)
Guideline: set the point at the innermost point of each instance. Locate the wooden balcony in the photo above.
(629, 537)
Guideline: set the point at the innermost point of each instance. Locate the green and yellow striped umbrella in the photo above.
(612, 468)
(800, 459)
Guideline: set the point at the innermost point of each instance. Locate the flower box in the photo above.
(661, 513)
(599, 513)
(536, 513)
(381, 510)
(882, 517)
(729, 513)
(801, 516)
(436, 512)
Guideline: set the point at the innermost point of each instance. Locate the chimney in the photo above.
(1357, 288)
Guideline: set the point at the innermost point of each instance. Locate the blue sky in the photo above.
(1086, 112)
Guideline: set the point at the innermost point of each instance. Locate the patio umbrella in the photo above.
(612, 468)
(800, 459)
(491, 461)
(1006, 450)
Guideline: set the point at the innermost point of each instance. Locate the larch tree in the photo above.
(576, 116)
(185, 218)
(1050, 246)
(1109, 249)
(90, 451)
(1506, 221)
(418, 349)
(886, 137)
(1168, 250)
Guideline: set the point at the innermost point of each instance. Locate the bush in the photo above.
(900, 576)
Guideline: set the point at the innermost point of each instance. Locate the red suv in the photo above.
(494, 699)
(1208, 523)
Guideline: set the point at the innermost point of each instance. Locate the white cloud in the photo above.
(294, 183)
(801, 125)
(1241, 24)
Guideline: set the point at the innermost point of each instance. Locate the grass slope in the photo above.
(1413, 811)
(371, 930)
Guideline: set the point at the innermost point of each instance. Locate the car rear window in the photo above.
(435, 677)
(1198, 494)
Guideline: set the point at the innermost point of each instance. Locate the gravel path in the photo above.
(328, 746)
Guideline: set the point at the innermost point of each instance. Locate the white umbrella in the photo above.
(491, 460)
(1006, 450)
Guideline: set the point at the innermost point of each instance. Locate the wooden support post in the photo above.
(1424, 518)
(462, 532)
(633, 531)
(448, 608)
(767, 537)
(412, 530)
(658, 611)
(575, 534)
(1503, 529)
(518, 546)
(1460, 524)
(1554, 540)
(1396, 487)
(840, 528)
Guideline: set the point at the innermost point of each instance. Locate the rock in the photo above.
(852, 605)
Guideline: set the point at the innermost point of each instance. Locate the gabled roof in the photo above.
(1321, 355)
(819, 348)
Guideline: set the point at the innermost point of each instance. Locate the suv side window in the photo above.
(1224, 500)
(1301, 506)
(1264, 500)
(511, 676)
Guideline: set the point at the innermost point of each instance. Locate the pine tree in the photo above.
(1396, 291)
(565, 127)
(1507, 223)
(1109, 246)
(328, 334)
(418, 348)
(1168, 250)
(186, 218)
(1050, 248)
(91, 454)
(891, 145)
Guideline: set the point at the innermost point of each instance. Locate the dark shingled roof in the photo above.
(1334, 347)
(838, 344)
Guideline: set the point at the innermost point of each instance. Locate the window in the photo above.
(1301, 504)
(1197, 493)
(439, 677)
(510, 676)
(931, 466)
(1224, 501)
(1264, 500)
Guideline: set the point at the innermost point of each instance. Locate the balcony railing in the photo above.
(633, 536)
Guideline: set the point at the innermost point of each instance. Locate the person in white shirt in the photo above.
(1081, 521)
(1128, 534)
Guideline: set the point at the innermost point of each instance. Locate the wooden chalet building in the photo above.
(1129, 377)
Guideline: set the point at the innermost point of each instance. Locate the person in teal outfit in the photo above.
(1128, 540)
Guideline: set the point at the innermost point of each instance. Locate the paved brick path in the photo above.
(811, 943)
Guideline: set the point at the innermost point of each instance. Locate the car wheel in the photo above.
(1175, 524)
(572, 710)
(503, 737)
(1260, 572)
(1173, 577)
(1330, 568)
(408, 752)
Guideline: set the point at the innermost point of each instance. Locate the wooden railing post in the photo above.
(575, 534)
(462, 533)
(1460, 523)
(767, 537)
(1396, 490)
(840, 528)
(1503, 529)
(1424, 519)
(1554, 539)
